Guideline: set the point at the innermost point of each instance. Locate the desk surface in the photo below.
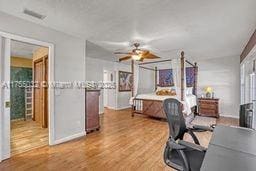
(222, 159)
(239, 139)
(231, 148)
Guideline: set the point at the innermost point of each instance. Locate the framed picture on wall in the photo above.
(166, 78)
(125, 81)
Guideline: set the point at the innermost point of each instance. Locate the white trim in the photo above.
(5, 97)
(122, 108)
(112, 108)
(230, 116)
(109, 107)
(51, 104)
(1, 127)
(25, 39)
(6, 93)
(69, 138)
(50, 77)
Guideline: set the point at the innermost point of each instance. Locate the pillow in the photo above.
(163, 88)
(166, 92)
(173, 92)
(189, 91)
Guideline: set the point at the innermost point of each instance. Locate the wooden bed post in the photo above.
(132, 68)
(155, 78)
(195, 80)
(182, 63)
(195, 85)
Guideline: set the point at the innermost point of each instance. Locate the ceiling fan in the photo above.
(136, 54)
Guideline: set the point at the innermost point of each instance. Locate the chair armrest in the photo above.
(175, 145)
(192, 146)
(202, 128)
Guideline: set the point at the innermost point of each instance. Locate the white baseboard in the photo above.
(69, 138)
(112, 108)
(230, 116)
(121, 108)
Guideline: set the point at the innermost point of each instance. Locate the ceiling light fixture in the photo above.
(33, 14)
(136, 57)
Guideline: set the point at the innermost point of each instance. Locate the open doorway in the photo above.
(28, 97)
(109, 95)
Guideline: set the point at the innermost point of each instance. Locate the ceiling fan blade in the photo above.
(150, 56)
(141, 59)
(124, 58)
(144, 52)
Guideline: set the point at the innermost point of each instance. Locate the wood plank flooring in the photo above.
(27, 135)
(123, 143)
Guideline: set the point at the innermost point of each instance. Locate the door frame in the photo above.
(51, 106)
(5, 98)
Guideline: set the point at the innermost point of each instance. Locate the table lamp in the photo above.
(208, 91)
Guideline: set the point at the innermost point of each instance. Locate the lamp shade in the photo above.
(208, 89)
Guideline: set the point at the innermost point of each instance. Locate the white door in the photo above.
(5, 50)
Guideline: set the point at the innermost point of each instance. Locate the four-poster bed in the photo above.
(151, 104)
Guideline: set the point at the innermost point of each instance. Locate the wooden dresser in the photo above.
(92, 120)
(209, 107)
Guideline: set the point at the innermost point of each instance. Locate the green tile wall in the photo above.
(18, 94)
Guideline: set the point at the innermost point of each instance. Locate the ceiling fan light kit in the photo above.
(136, 57)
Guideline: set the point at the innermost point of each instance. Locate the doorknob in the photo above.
(7, 104)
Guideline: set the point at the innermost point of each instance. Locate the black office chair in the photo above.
(179, 154)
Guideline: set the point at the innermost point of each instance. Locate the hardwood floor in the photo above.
(123, 143)
(27, 135)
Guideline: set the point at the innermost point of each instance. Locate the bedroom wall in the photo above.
(223, 75)
(69, 66)
(94, 72)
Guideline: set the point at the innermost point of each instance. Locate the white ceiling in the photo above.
(202, 28)
(21, 49)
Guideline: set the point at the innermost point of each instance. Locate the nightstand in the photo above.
(209, 107)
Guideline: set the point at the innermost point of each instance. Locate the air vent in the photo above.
(34, 14)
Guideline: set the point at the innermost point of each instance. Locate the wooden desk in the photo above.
(231, 148)
(223, 159)
(235, 138)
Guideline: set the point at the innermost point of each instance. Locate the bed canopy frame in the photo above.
(154, 108)
(182, 68)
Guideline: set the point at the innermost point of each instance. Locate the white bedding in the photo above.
(189, 102)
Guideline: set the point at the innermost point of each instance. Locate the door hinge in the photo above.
(8, 104)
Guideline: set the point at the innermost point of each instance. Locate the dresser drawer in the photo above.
(92, 123)
(208, 106)
(208, 102)
(208, 112)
